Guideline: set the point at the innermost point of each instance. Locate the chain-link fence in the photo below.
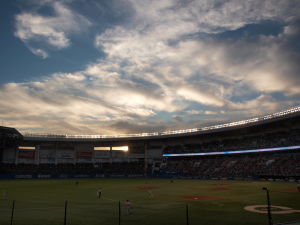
(106, 212)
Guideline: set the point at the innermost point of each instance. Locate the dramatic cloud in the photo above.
(35, 30)
(171, 65)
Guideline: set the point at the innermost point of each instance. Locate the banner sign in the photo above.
(26, 154)
(85, 155)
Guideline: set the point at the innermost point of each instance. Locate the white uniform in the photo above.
(128, 207)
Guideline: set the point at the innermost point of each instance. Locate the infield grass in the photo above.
(41, 202)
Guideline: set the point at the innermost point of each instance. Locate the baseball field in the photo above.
(151, 202)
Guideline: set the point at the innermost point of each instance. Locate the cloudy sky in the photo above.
(128, 66)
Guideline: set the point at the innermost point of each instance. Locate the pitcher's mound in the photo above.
(147, 187)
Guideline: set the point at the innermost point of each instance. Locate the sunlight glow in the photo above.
(102, 148)
(26, 147)
(120, 148)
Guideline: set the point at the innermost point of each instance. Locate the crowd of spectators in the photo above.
(285, 164)
(281, 165)
(250, 165)
(277, 139)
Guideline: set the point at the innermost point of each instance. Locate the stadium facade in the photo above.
(271, 145)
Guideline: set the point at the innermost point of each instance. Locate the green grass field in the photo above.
(41, 202)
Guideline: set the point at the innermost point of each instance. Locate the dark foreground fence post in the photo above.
(119, 213)
(12, 213)
(269, 206)
(187, 215)
(65, 217)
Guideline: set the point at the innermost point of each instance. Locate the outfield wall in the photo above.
(162, 176)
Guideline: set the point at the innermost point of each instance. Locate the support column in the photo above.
(2, 147)
(93, 156)
(110, 155)
(75, 155)
(56, 153)
(16, 155)
(37, 155)
(145, 157)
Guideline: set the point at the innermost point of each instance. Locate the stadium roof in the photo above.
(184, 132)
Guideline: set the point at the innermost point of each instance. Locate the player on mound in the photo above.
(99, 193)
(128, 207)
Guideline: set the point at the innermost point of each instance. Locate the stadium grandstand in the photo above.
(262, 147)
(223, 170)
(9, 140)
